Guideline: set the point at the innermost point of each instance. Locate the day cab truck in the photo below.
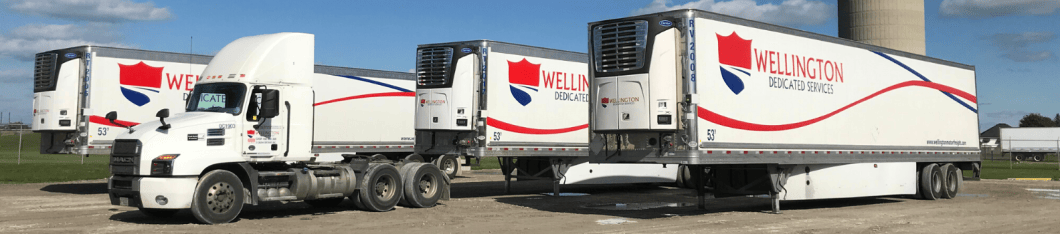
(1030, 143)
(262, 126)
(74, 87)
(778, 111)
(526, 105)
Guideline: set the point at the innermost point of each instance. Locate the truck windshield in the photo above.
(217, 97)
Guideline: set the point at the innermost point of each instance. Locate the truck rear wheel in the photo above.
(218, 197)
(1038, 157)
(931, 182)
(952, 182)
(381, 189)
(449, 165)
(424, 185)
(158, 213)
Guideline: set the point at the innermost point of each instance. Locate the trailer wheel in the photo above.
(931, 182)
(952, 181)
(1019, 157)
(218, 197)
(326, 202)
(424, 185)
(158, 213)
(382, 188)
(449, 165)
(1038, 157)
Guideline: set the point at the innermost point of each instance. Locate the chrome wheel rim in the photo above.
(449, 165)
(220, 198)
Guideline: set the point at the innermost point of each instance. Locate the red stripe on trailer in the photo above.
(737, 124)
(525, 130)
(100, 120)
(371, 95)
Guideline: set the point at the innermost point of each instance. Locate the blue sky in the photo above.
(1012, 43)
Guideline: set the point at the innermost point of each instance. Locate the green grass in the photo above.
(41, 168)
(487, 163)
(1000, 170)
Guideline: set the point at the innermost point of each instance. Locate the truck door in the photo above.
(265, 137)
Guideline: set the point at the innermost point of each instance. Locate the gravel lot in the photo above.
(479, 205)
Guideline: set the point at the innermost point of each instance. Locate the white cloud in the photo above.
(90, 10)
(15, 76)
(1017, 46)
(789, 13)
(23, 42)
(996, 8)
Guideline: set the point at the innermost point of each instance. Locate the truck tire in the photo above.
(404, 172)
(931, 182)
(1019, 157)
(326, 202)
(424, 185)
(952, 183)
(158, 213)
(218, 197)
(681, 176)
(1038, 157)
(449, 164)
(356, 199)
(382, 188)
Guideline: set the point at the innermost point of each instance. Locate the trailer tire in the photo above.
(218, 197)
(1019, 157)
(326, 202)
(1038, 157)
(449, 164)
(382, 188)
(158, 213)
(424, 185)
(931, 182)
(953, 181)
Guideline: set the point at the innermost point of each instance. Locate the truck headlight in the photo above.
(163, 165)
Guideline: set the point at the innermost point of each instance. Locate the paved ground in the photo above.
(479, 206)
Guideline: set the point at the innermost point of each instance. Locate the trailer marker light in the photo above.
(91, 147)
(167, 157)
(728, 152)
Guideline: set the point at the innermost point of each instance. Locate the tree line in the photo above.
(1037, 120)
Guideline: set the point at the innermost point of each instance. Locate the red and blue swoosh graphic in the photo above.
(948, 91)
(401, 92)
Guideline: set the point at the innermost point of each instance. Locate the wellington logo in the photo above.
(734, 54)
(604, 102)
(137, 80)
(523, 77)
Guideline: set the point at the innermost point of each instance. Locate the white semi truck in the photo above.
(778, 111)
(1030, 143)
(74, 87)
(526, 105)
(261, 126)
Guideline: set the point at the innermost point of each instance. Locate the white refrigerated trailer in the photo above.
(74, 87)
(1030, 143)
(260, 126)
(526, 105)
(779, 111)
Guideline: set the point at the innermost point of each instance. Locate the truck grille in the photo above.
(44, 72)
(432, 64)
(125, 157)
(620, 46)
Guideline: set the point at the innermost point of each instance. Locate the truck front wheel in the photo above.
(218, 197)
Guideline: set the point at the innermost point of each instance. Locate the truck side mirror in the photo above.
(270, 103)
(113, 115)
(162, 115)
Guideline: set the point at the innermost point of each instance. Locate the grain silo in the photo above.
(896, 24)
